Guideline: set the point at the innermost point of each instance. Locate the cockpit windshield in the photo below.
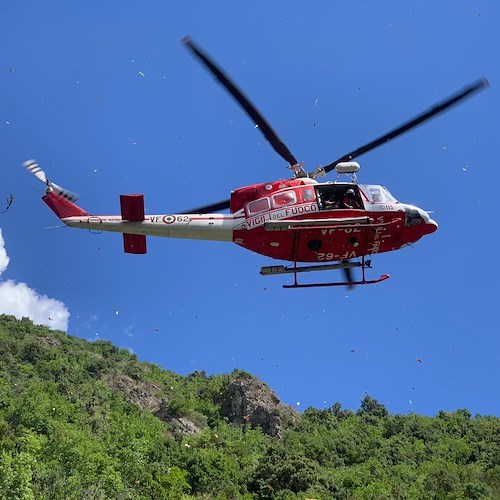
(378, 194)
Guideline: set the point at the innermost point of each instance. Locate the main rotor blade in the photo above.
(437, 108)
(244, 102)
(348, 275)
(208, 209)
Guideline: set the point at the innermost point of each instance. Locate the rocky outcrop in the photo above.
(139, 393)
(178, 424)
(144, 395)
(248, 401)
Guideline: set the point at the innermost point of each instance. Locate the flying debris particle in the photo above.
(142, 74)
(410, 401)
(298, 403)
(316, 102)
(9, 200)
(187, 445)
(11, 70)
(95, 170)
(443, 148)
(117, 313)
(419, 360)
(352, 350)
(8, 123)
(465, 168)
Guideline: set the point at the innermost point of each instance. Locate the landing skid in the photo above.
(323, 267)
(340, 283)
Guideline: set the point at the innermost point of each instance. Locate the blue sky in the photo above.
(105, 97)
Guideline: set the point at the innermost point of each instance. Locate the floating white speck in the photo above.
(298, 403)
(443, 148)
(142, 74)
(95, 170)
(117, 313)
(316, 102)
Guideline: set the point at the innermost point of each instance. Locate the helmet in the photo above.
(350, 192)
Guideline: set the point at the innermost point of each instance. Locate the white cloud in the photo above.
(20, 300)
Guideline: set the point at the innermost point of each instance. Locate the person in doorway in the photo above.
(350, 200)
(330, 201)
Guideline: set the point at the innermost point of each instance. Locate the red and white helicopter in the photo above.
(300, 220)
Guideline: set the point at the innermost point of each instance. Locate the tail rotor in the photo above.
(34, 168)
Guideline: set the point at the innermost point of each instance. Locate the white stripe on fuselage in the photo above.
(216, 227)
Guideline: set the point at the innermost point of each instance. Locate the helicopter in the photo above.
(301, 220)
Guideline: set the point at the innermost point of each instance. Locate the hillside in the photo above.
(88, 420)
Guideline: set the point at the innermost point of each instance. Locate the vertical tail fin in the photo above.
(62, 207)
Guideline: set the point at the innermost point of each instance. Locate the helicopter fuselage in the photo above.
(297, 220)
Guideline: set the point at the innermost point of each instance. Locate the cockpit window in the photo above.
(257, 206)
(283, 199)
(379, 194)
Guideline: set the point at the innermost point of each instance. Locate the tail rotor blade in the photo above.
(69, 195)
(33, 167)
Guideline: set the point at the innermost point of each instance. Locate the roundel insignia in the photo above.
(168, 219)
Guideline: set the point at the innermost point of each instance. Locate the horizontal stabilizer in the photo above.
(132, 207)
(134, 243)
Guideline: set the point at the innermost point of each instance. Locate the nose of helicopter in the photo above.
(414, 218)
(431, 225)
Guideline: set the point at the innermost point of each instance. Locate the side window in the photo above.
(308, 194)
(257, 206)
(283, 199)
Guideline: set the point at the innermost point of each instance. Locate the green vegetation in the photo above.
(82, 420)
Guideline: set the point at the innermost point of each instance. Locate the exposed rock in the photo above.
(248, 401)
(179, 424)
(52, 341)
(139, 393)
(144, 395)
